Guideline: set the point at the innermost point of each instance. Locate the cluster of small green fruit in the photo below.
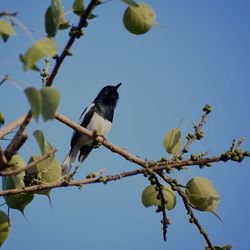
(236, 155)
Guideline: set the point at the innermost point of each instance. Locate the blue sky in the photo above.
(200, 54)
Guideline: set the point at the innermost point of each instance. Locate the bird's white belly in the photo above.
(96, 123)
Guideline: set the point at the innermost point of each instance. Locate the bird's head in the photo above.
(108, 95)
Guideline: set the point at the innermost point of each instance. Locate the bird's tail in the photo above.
(67, 164)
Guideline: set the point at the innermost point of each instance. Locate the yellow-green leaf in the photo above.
(45, 146)
(4, 227)
(202, 194)
(16, 201)
(6, 30)
(51, 99)
(46, 171)
(34, 67)
(138, 19)
(42, 48)
(173, 141)
(64, 24)
(35, 100)
(78, 7)
(149, 197)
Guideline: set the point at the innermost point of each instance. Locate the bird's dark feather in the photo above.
(84, 152)
(84, 124)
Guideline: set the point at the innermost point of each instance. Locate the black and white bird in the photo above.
(97, 116)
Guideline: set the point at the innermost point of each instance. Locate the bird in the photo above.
(98, 116)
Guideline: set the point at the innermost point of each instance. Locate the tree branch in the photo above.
(73, 37)
(194, 137)
(189, 209)
(17, 142)
(33, 163)
(11, 126)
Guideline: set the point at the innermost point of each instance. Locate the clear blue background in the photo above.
(200, 54)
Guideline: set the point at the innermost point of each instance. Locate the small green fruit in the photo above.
(139, 19)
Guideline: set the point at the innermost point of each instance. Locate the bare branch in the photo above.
(16, 143)
(5, 78)
(6, 13)
(3, 160)
(73, 37)
(194, 137)
(11, 126)
(128, 156)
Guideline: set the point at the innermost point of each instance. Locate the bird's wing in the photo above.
(83, 121)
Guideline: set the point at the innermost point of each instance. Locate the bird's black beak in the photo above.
(118, 85)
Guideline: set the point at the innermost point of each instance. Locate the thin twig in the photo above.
(5, 78)
(3, 160)
(11, 126)
(165, 219)
(6, 13)
(45, 73)
(193, 138)
(73, 37)
(188, 207)
(15, 145)
(11, 149)
(33, 163)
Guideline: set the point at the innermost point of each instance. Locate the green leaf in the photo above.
(149, 197)
(173, 141)
(4, 227)
(202, 194)
(45, 147)
(16, 201)
(131, 3)
(35, 100)
(51, 99)
(78, 7)
(42, 48)
(52, 18)
(46, 171)
(34, 67)
(6, 30)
